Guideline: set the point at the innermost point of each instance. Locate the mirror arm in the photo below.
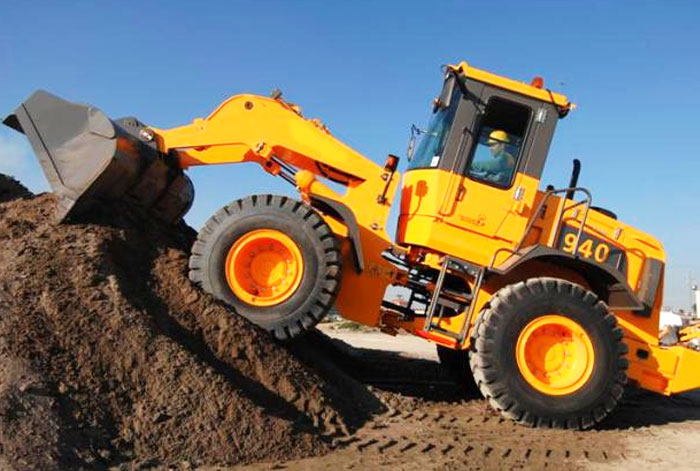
(460, 83)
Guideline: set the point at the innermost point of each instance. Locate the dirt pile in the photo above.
(111, 358)
(11, 189)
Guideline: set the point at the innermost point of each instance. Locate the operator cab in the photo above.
(481, 156)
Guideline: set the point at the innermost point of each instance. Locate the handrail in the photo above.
(454, 177)
(557, 225)
(436, 294)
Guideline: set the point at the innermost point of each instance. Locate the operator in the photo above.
(501, 166)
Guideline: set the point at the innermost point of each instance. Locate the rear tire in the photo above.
(566, 396)
(309, 296)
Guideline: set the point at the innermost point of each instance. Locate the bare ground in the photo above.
(431, 426)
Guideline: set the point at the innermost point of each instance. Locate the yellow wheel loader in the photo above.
(548, 304)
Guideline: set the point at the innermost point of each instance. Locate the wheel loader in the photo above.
(547, 303)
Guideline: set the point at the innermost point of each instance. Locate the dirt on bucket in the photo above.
(111, 359)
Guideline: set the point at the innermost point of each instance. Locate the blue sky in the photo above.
(370, 69)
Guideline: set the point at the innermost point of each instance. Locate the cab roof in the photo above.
(522, 88)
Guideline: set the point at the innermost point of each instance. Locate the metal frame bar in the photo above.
(557, 226)
(436, 294)
(472, 305)
(430, 313)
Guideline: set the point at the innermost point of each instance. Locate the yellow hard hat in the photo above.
(497, 136)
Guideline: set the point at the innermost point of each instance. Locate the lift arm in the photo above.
(273, 133)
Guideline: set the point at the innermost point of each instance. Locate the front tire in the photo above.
(548, 353)
(273, 259)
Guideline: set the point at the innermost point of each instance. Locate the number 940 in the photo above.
(589, 248)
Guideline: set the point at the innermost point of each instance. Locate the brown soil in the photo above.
(110, 357)
(431, 425)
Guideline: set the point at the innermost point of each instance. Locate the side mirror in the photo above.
(411, 147)
(443, 101)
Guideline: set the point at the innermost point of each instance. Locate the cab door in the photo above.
(494, 195)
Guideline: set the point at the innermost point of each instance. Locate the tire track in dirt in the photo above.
(458, 434)
(421, 432)
(434, 428)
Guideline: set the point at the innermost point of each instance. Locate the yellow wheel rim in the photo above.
(264, 267)
(555, 355)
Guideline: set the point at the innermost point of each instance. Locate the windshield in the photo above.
(432, 142)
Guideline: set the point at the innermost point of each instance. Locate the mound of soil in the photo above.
(111, 358)
(11, 189)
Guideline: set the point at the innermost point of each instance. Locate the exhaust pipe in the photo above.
(88, 158)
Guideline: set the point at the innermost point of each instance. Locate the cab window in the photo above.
(499, 142)
(433, 140)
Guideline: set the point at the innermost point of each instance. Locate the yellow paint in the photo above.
(667, 370)
(251, 128)
(689, 333)
(555, 355)
(459, 216)
(472, 227)
(638, 246)
(512, 85)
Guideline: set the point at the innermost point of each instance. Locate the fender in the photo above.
(341, 212)
(608, 283)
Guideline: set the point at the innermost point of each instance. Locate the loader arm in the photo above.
(250, 128)
(274, 134)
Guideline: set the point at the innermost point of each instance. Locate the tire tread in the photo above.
(331, 267)
(492, 382)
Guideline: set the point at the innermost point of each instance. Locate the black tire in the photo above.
(320, 280)
(493, 355)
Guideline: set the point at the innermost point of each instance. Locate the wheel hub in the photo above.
(264, 267)
(555, 355)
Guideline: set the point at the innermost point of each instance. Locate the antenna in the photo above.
(692, 287)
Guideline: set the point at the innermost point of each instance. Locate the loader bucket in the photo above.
(88, 158)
